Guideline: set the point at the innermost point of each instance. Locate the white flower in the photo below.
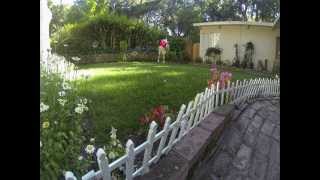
(65, 45)
(92, 140)
(95, 44)
(114, 143)
(113, 133)
(62, 93)
(83, 101)
(43, 107)
(78, 110)
(40, 144)
(90, 149)
(62, 102)
(75, 58)
(55, 122)
(80, 158)
(66, 86)
(119, 145)
(111, 155)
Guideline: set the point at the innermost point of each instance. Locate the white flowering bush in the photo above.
(63, 145)
(61, 128)
(114, 148)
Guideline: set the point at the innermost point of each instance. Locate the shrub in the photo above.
(61, 131)
(236, 60)
(106, 31)
(211, 51)
(64, 143)
(248, 56)
(214, 53)
(157, 114)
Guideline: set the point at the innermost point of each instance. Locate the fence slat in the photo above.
(251, 88)
(209, 99)
(163, 138)
(259, 87)
(175, 128)
(217, 94)
(103, 164)
(255, 88)
(222, 95)
(148, 149)
(228, 92)
(243, 83)
(232, 89)
(184, 121)
(130, 160)
(264, 87)
(91, 175)
(236, 90)
(213, 95)
(69, 176)
(196, 118)
(205, 103)
(192, 116)
(269, 85)
(205, 100)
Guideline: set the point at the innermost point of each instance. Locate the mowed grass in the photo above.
(122, 92)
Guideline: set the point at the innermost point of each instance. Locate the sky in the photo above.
(66, 2)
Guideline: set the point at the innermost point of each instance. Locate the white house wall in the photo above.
(263, 38)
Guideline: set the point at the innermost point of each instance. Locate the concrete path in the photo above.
(250, 148)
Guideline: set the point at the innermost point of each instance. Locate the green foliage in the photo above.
(212, 51)
(236, 59)
(108, 31)
(61, 132)
(247, 61)
(123, 50)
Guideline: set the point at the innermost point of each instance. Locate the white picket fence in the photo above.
(188, 117)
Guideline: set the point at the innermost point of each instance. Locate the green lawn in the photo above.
(123, 92)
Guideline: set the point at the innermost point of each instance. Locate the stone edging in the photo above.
(202, 141)
(190, 151)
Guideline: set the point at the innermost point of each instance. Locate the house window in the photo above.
(214, 39)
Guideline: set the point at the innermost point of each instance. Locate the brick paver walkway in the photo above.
(250, 148)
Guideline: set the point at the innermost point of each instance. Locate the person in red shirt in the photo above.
(163, 46)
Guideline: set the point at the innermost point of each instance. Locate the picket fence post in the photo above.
(213, 96)
(210, 98)
(192, 116)
(148, 149)
(163, 138)
(228, 92)
(184, 121)
(217, 94)
(130, 160)
(70, 176)
(177, 125)
(196, 118)
(103, 164)
(236, 91)
(206, 103)
(203, 105)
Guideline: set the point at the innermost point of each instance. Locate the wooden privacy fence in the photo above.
(188, 117)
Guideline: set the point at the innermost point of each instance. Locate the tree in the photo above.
(58, 16)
